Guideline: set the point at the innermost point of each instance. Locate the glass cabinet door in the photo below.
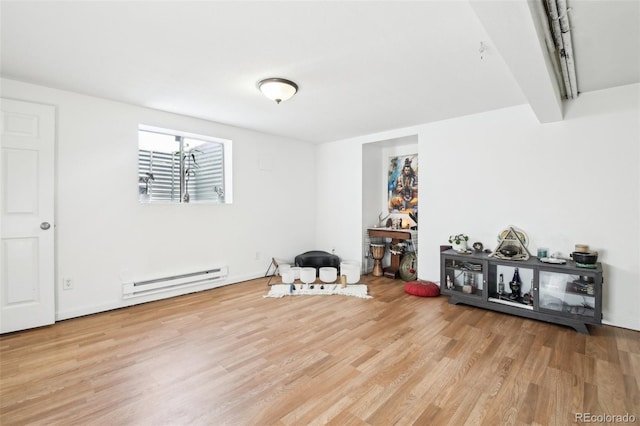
(464, 276)
(510, 288)
(572, 295)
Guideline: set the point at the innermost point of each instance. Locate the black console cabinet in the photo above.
(559, 293)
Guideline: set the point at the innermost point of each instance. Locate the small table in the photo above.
(397, 236)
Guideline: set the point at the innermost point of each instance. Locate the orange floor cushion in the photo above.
(422, 288)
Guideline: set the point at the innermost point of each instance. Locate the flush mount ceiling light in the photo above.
(277, 89)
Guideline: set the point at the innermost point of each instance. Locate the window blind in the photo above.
(207, 184)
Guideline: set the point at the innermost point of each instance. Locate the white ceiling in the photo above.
(362, 67)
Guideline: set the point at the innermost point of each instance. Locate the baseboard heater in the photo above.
(160, 285)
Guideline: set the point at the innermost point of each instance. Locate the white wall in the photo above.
(569, 182)
(574, 181)
(341, 194)
(104, 235)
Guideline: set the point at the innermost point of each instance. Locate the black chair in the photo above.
(318, 259)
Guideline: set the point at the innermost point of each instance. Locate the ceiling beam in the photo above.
(516, 31)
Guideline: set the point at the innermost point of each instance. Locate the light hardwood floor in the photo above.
(228, 356)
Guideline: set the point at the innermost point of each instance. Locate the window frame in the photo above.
(227, 156)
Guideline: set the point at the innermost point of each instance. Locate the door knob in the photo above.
(45, 225)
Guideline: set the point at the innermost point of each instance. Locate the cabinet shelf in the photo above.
(513, 303)
(473, 291)
(565, 294)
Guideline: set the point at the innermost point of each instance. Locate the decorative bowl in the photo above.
(328, 274)
(585, 258)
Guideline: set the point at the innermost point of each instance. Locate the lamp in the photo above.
(277, 89)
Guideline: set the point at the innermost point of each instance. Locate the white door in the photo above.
(27, 289)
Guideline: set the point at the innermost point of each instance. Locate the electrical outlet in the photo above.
(258, 255)
(67, 284)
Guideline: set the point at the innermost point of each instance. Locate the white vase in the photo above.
(460, 247)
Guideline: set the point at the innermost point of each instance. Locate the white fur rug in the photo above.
(356, 290)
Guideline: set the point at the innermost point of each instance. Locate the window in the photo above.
(179, 167)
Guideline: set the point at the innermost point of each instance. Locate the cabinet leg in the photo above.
(581, 328)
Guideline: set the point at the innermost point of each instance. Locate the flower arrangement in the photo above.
(458, 239)
(459, 242)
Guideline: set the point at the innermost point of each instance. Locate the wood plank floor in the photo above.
(228, 356)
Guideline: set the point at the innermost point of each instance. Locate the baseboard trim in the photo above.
(123, 303)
